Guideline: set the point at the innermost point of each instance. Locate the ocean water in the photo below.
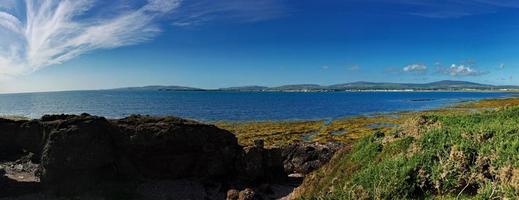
(231, 106)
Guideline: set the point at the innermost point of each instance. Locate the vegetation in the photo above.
(346, 130)
(453, 153)
(273, 133)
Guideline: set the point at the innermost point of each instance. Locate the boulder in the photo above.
(172, 148)
(78, 153)
(31, 137)
(19, 137)
(304, 158)
(260, 164)
(8, 134)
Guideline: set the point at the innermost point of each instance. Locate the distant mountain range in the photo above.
(160, 88)
(446, 85)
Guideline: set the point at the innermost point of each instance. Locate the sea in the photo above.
(210, 106)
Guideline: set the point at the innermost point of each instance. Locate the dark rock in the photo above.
(9, 149)
(259, 143)
(31, 137)
(19, 137)
(172, 148)
(2, 172)
(261, 164)
(304, 158)
(79, 153)
(253, 163)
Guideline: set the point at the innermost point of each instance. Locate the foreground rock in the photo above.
(172, 148)
(80, 150)
(74, 154)
(264, 165)
(304, 158)
(17, 137)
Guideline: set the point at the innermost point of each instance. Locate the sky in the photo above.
(53, 45)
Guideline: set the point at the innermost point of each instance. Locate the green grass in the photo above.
(449, 156)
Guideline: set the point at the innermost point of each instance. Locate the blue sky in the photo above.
(212, 44)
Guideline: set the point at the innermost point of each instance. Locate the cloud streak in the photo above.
(192, 13)
(461, 70)
(39, 33)
(451, 8)
(416, 68)
(55, 31)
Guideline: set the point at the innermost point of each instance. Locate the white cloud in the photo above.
(55, 31)
(354, 67)
(325, 67)
(502, 66)
(461, 70)
(419, 68)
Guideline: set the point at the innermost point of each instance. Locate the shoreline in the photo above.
(351, 128)
(274, 144)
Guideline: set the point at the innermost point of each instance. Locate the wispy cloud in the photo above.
(451, 8)
(461, 70)
(55, 31)
(192, 13)
(415, 68)
(49, 32)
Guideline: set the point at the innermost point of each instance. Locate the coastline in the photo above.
(350, 128)
(284, 145)
(434, 154)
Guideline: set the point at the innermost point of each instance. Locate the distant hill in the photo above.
(245, 88)
(445, 85)
(160, 88)
(439, 85)
(298, 87)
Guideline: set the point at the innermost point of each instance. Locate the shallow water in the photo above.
(232, 106)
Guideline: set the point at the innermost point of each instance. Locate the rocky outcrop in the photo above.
(17, 137)
(79, 151)
(304, 158)
(260, 164)
(74, 153)
(172, 148)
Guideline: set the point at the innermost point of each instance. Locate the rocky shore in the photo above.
(141, 157)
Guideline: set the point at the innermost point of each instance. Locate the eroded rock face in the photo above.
(260, 164)
(18, 137)
(80, 151)
(75, 152)
(8, 130)
(304, 158)
(171, 148)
